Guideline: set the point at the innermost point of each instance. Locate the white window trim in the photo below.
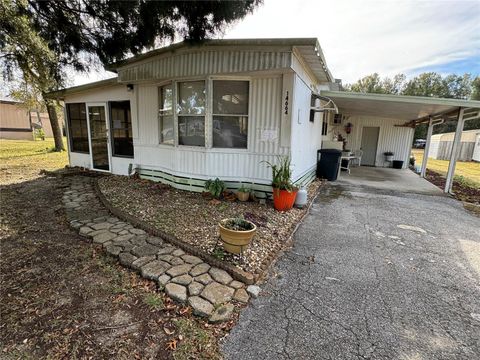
(249, 132)
(159, 86)
(208, 115)
(176, 114)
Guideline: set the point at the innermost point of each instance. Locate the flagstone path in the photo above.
(185, 278)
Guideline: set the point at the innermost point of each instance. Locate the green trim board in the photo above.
(262, 191)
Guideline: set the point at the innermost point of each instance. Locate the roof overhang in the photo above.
(60, 94)
(413, 109)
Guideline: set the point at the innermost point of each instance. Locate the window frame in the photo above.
(206, 114)
(110, 120)
(69, 127)
(174, 105)
(211, 79)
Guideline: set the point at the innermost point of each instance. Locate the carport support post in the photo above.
(454, 154)
(427, 148)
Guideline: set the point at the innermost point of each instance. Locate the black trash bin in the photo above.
(397, 164)
(328, 162)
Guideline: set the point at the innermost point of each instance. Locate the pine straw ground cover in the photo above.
(194, 219)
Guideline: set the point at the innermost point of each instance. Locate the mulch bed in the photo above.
(193, 218)
(462, 192)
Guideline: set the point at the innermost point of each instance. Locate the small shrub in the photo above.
(412, 161)
(215, 187)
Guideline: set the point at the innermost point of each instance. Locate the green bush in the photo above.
(215, 187)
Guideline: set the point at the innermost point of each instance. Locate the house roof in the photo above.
(412, 109)
(308, 48)
(60, 94)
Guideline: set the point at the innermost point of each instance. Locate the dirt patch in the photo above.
(462, 190)
(192, 218)
(64, 298)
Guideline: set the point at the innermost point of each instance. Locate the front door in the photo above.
(99, 136)
(369, 145)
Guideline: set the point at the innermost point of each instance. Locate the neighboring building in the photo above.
(476, 149)
(441, 146)
(18, 123)
(187, 113)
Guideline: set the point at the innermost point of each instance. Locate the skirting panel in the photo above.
(262, 191)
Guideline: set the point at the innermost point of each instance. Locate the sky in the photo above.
(360, 37)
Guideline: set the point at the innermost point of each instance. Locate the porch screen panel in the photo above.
(230, 114)
(77, 127)
(165, 114)
(191, 113)
(121, 125)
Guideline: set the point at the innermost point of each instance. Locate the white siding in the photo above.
(204, 163)
(306, 135)
(391, 138)
(79, 159)
(204, 62)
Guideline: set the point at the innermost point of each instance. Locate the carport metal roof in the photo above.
(413, 109)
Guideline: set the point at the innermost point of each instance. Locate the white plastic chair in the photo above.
(357, 157)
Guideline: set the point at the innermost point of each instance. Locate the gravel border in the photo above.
(238, 274)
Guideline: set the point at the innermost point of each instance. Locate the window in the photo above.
(77, 127)
(191, 113)
(325, 123)
(230, 114)
(165, 114)
(121, 125)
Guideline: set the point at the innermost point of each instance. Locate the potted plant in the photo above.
(388, 156)
(284, 192)
(236, 234)
(243, 193)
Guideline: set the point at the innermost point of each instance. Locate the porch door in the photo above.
(369, 145)
(99, 136)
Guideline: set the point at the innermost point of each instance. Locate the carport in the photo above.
(396, 117)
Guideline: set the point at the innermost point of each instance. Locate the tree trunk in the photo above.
(57, 132)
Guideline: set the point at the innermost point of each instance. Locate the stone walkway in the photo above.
(185, 278)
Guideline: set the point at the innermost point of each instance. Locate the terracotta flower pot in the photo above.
(243, 196)
(235, 241)
(283, 200)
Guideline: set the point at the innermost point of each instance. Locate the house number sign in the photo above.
(286, 103)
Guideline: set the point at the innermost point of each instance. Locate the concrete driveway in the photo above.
(373, 275)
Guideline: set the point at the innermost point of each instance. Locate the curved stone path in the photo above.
(185, 278)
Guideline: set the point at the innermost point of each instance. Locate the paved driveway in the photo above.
(371, 275)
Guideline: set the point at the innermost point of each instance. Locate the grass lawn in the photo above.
(469, 170)
(22, 160)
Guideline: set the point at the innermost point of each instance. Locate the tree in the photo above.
(476, 88)
(78, 34)
(24, 48)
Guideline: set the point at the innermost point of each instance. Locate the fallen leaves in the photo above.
(171, 345)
